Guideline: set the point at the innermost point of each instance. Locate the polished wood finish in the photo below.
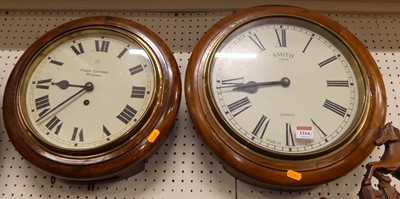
(123, 160)
(264, 171)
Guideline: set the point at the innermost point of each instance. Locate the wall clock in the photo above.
(92, 99)
(285, 97)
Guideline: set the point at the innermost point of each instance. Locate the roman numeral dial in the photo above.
(281, 37)
(239, 106)
(257, 42)
(283, 88)
(91, 90)
(43, 84)
(102, 46)
(336, 108)
(261, 127)
(77, 48)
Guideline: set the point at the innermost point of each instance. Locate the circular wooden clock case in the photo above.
(92, 99)
(285, 97)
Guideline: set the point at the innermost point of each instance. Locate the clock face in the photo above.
(88, 89)
(285, 87)
(280, 90)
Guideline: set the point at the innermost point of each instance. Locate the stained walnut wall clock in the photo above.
(92, 99)
(285, 97)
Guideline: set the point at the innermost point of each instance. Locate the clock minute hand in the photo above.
(252, 87)
(87, 87)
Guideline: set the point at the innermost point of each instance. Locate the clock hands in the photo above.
(252, 86)
(64, 84)
(87, 87)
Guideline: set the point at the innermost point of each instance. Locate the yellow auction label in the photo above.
(294, 175)
(153, 135)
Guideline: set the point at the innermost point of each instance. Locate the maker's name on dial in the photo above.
(287, 114)
(94, 72)
(284, 56)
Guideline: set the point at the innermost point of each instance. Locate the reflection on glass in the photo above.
(138, 52)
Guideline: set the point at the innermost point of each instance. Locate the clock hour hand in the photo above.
(252, 87)
(64, 84)
(87, 87)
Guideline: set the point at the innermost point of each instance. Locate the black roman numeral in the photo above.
(327, 61)
(257, 41)
(336, 108)
(106, 131)
(289, 135)
(122, 53)
(127, 114)
(102, 47)
(337, 83)
(238, 80)
(138, 92)
(42, 103)
(308, 43)
(43, 84)
(239, 106)
(58, 63)
(78, 49)
(53, 123)
(261, 127)
(320, 131)
(281, 37)
(136, 69)
(228, 83)
(76, 134)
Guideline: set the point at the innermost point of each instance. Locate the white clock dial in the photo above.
(89, 89)
(285, 88)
